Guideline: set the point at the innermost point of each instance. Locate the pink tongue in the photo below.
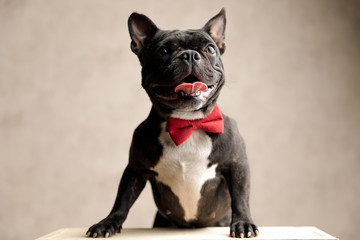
(190, 88)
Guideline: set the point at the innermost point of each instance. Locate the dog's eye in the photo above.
(210, 50)
(162, 52)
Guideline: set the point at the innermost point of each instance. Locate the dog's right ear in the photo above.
(141, 29)
(216, 29)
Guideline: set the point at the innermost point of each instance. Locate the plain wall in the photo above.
(70, 98)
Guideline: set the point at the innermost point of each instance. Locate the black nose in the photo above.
(190, 55)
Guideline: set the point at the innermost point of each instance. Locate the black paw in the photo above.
(241, 229)
(105, 228)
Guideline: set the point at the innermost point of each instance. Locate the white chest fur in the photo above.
(184, 168)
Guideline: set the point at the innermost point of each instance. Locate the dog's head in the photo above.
(182, 71)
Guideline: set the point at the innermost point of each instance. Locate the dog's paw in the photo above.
(241, 229)
(105, 228)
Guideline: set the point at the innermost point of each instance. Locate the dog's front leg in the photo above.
(131, 185)
(239, 187)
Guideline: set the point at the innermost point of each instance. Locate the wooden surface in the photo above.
(216, 233)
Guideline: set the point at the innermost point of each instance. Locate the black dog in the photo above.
(193, 156)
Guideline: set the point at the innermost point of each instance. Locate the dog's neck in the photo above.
(187, 115)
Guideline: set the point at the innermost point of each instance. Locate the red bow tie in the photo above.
(180, 130)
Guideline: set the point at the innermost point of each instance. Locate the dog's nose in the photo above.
(190, 55)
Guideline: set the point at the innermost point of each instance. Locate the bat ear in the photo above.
(141, 30)
(215, 27)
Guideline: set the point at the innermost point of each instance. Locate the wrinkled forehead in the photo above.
(189, 39)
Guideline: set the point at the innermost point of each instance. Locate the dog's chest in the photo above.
(185, 168)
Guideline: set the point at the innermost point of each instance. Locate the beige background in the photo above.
(70, 97)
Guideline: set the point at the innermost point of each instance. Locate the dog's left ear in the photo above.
(141, 30)
(216, 29)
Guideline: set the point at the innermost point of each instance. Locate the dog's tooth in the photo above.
(182, 93)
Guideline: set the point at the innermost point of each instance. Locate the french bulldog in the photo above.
(191, 153)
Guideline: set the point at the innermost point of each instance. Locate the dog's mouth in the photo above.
(190, 87)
